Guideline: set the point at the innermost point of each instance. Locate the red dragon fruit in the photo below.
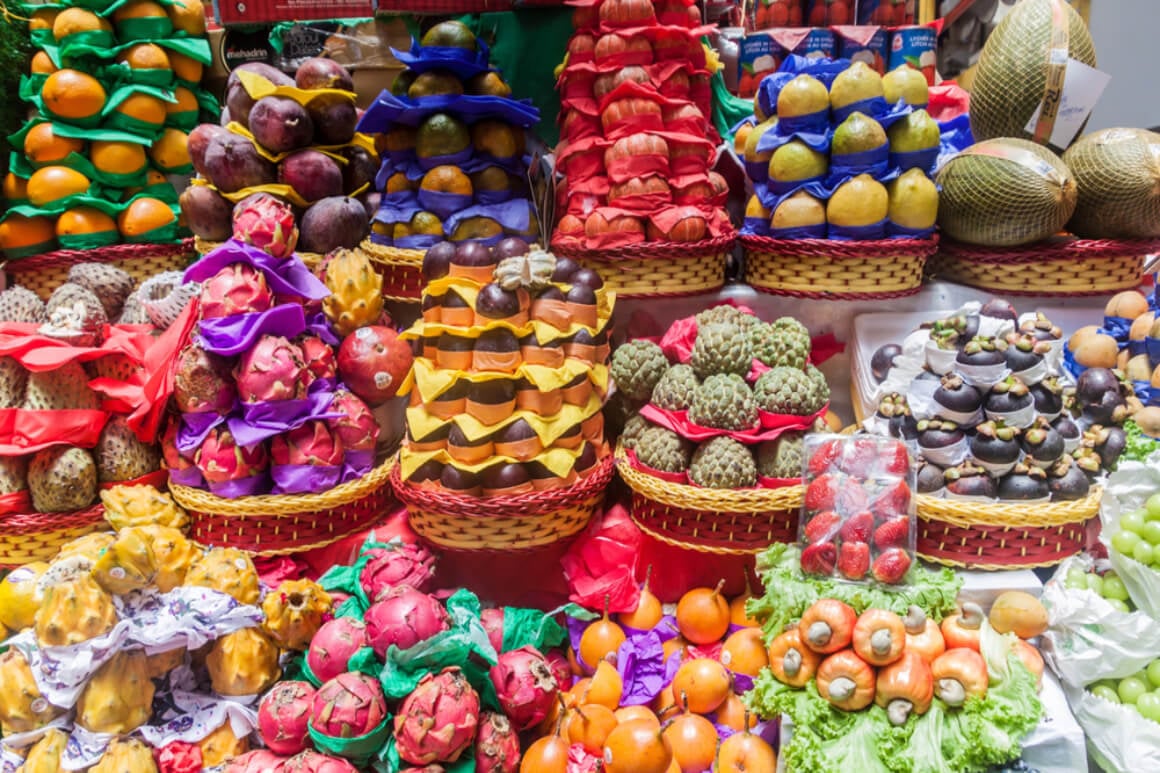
(561, 669)
(320, 360)
(348, 706)
(492, 620)
(497, 747)
(203, 383)
(400, 564)
(403, 617)
(259, 761)
(174, 460)
(272, 370)
(310, 444)
(333, 646)
(437, 721)
(266, 222)
(221, 459)
(358, 427)
(313, 762)
(236, 289)
(283, 716)
(525, 686)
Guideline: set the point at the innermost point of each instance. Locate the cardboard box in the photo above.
(763, 52)
(268, 11)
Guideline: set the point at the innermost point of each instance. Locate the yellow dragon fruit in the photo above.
(74, 608)
(141, 506)
(228, 570)
(88, 546)
(119, 696)
(128, 564)
(45, 754)
(162, 663)
(295, 610)
(20, 596)
(174, 554)
(221, 746)
(22, 708)
(356, 292)
(244, 662)
(126, 755)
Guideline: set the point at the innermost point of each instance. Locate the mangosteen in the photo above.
(883, 361)
(929, 478)
(587, 458)
(970, 481)
(1024, 352)
(1041, 328)
(938, 433)
(505, 475)
(1008, 396)
(438, 435)
(927, 375)
(458, 438)
(437, 260)
(531, 339)
(565, 268)
(1024, 483)
(571, 437)
(585, 277)
(1069, 431)
(432, 302)
(454, 300)
(459, 481)
(1048, 396)
(472, 253)
(1042, 444)
(494, 302)
(515, 432)
(1097, 392)
(1088, 460)
(500, 340)
(550, 294)
(457, 391)
(957, 396)
(510, 247)
(494, 392)
(945, 338)
(1067, 481)
(431, 469)
(582, 295)
(1108, 442)
(982, 352)
(893, 404)
(997, 309)
(995, 443)
(454, 343)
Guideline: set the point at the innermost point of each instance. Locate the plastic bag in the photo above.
(1119, 739)
(1127, 489)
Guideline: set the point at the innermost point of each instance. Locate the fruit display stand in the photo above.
(43, 273)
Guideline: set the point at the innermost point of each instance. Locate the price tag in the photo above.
(1082, 87)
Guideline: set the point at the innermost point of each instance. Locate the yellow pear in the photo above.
(854, 84)
(858, 202)
(913, 201)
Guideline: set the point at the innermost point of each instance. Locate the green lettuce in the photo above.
(1139, 446)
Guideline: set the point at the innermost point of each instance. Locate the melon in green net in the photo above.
(1004, 192)
(1117, 175)
(1013, 67)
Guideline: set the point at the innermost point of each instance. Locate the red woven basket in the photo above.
(402, 270)
(44, 273)
(658, 269)
(28, 537)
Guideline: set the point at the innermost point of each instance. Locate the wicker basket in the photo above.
(726, 522)
(311, 259)
(834, 269)
(44, 273)
(28, 537)
(1058, 267)
(658, 269)
(402, 271)
(976, 535)
(279, 524)
(505, 523)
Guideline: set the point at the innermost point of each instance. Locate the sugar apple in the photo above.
(662, 449)
(723, 463)
(721, 347)
(637, 367)
(674, 392)
(783, 342)
(724, 401)
(781, 458)
(633, 428)
(726, 313)
(789, 390)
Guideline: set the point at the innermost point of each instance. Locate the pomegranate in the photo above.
(373, 362)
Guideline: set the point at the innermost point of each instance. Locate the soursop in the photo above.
(13, 474)
(633, 428)
(133, 312)
(723, 463)
(108, 283)
(19, 304)
(66, 388)
(662, 449)
(721, 347)
(637, 367)
(674, 392)
(121, 456)
(89, 312)
(62, 479)
(724, 401)
(781, 458)
(13, 382)
(117, 367)
(784, 342)
(789, 390)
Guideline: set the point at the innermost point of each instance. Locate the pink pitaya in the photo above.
(497, 747)
(174, 460)
(525, 686)
(333, 646)
(320, 360)
(221, 459)
(561, 668)
(272, 370)
(437, 721)
(311, 444)
(492, 620)
(348, 706)
(260, 761)
(266, 222)
(203, 383)
(358, 427)
(403, 617)
(283, 716)
(407, 564)
(313, 762)
(236, 289)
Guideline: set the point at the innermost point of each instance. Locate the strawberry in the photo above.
(895, 460)
(819, 558)
(854, 560)
(857, 527)
(822, 526)
(859, 457)
(892, 534)
(891, 565)
(893, 501)
(822, 492)
(825, 457)
(850, 498)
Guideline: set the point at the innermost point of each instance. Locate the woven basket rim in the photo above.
(717, 550)
(24, 524)
(399, 256)
(649, 250)
(62, 258)
(1056, 248)
(840, 249)
(1009, 515)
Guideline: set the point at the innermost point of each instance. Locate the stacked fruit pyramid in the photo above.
(636, 140)
(115, 89)
(508, 390)
(274, 388)
(293, 138)
(454, 148)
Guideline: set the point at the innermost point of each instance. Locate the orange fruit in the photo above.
(186, 69)
(600, 640)
(637, 747)
(497, 139)
(144, 108)
(73, 94)
(71, 21)
(171, 150)
(732, 713)
(744, 652)
(42, 146)
(606, 687)
(589, 725)
(42, 64)
(144, 215)
(186, 102)
(145, 56)
(139, 9)
(42, 19)
(117, 157)
(397, 183)
(637, 714)
(15, 187)
(441, 135)
(155, 177)
(448, 179)
(188, 16)
(18, 231)
(53, 183)
(694, 742)
(648, 612)
(703, 615)
(84, 220)
(701, 685)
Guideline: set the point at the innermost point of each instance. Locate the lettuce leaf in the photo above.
(1138, 446)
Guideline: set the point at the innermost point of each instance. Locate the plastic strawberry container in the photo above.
(857, 520)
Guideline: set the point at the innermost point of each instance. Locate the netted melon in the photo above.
(1117, 175)
(1004, 192)
(1013, 68)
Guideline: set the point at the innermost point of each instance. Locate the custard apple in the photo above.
(724, 401)
(783, 342)
(721, 347)
(789, 390)
(781, 458)
(637, 367)
(723, 463)
(726, 313)
(633, 428)
(674, 392)
(662, 449)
